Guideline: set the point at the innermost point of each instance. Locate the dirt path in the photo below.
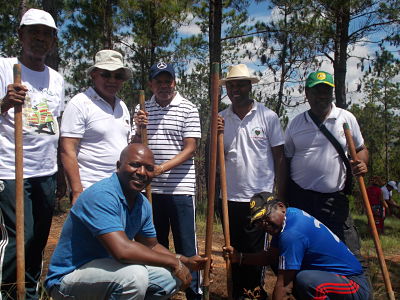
(218, 284)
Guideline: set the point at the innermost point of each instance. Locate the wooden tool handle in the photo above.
(19, 192)
(371, 221)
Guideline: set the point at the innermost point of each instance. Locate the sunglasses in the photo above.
(109, 75)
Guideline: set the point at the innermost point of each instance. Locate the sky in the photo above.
(260, 12)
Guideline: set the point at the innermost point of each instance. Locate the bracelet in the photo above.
(180, 267)
(162, 172)
(241, 258)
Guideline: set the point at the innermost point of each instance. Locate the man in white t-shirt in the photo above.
(96, 125)
(254, 160)
(393, 207)
(320, 176)
(173, 128)
(41, 93)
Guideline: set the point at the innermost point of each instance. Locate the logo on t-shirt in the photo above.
(38, 118)
(257, 133)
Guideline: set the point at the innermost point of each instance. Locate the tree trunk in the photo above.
(53, 58)
(340, 61)
(108, 25)
(215, 21)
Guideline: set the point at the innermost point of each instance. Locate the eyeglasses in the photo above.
(109, 75)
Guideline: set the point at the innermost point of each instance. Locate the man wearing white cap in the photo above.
(393, 207)
(254, 160)
(42, 95)
(96, 124)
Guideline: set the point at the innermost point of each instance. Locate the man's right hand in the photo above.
(183, 274)
(15, 95)
(141, 119)
(220, 123)
(231, 253)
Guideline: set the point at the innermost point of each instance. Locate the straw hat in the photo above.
(239, 72)
(109, 60)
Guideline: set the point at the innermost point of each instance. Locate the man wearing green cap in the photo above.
(320, 172)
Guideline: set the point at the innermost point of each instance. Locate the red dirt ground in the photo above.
(218, 279)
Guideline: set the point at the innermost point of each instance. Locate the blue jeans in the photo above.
(178, 213)
(107, 278)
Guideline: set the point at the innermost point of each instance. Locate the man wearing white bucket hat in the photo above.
(254, 160)
(42, 95)
(393, 207)
(96, 124)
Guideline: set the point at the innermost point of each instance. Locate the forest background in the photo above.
(282, 45)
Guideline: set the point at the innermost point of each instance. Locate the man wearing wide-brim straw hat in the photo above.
(96, 124)
(253, 146)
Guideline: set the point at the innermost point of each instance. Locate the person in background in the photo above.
(393, 207)
(41, 93)
(96, 124)
(378, 205)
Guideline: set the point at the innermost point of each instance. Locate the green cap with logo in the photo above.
(319, 77)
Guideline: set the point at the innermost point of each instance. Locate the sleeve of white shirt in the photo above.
(289, 145)
(355, 131)
(73, 122)
(133, 131)
(192, 124)
(275, 131)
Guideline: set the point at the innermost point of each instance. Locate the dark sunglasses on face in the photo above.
(109, 75)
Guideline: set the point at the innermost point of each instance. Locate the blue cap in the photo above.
(161, 67)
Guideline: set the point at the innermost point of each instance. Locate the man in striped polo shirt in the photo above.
(173, 127)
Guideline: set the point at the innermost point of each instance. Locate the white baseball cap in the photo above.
(393, 184)
(35, 16)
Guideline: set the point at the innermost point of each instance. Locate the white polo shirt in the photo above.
(248, 156)
(315, 163)
(103, 131)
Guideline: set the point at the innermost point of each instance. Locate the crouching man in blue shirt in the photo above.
(312, 262)
(108, 247)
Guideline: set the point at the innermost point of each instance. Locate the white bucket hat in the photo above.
(109, 60)
(239, 72)
(393, 184)
(35, 16)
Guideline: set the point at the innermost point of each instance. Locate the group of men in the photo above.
(109, 246)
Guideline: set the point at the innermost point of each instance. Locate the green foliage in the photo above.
(379, 118)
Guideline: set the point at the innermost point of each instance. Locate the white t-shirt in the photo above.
(315, 163)
(386, 194)
(249, 161)
(104, 133)
(43, 104)
(168, 127)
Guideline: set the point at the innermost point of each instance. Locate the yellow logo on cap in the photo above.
(270, 198)
(321, 76)
(252, 204)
